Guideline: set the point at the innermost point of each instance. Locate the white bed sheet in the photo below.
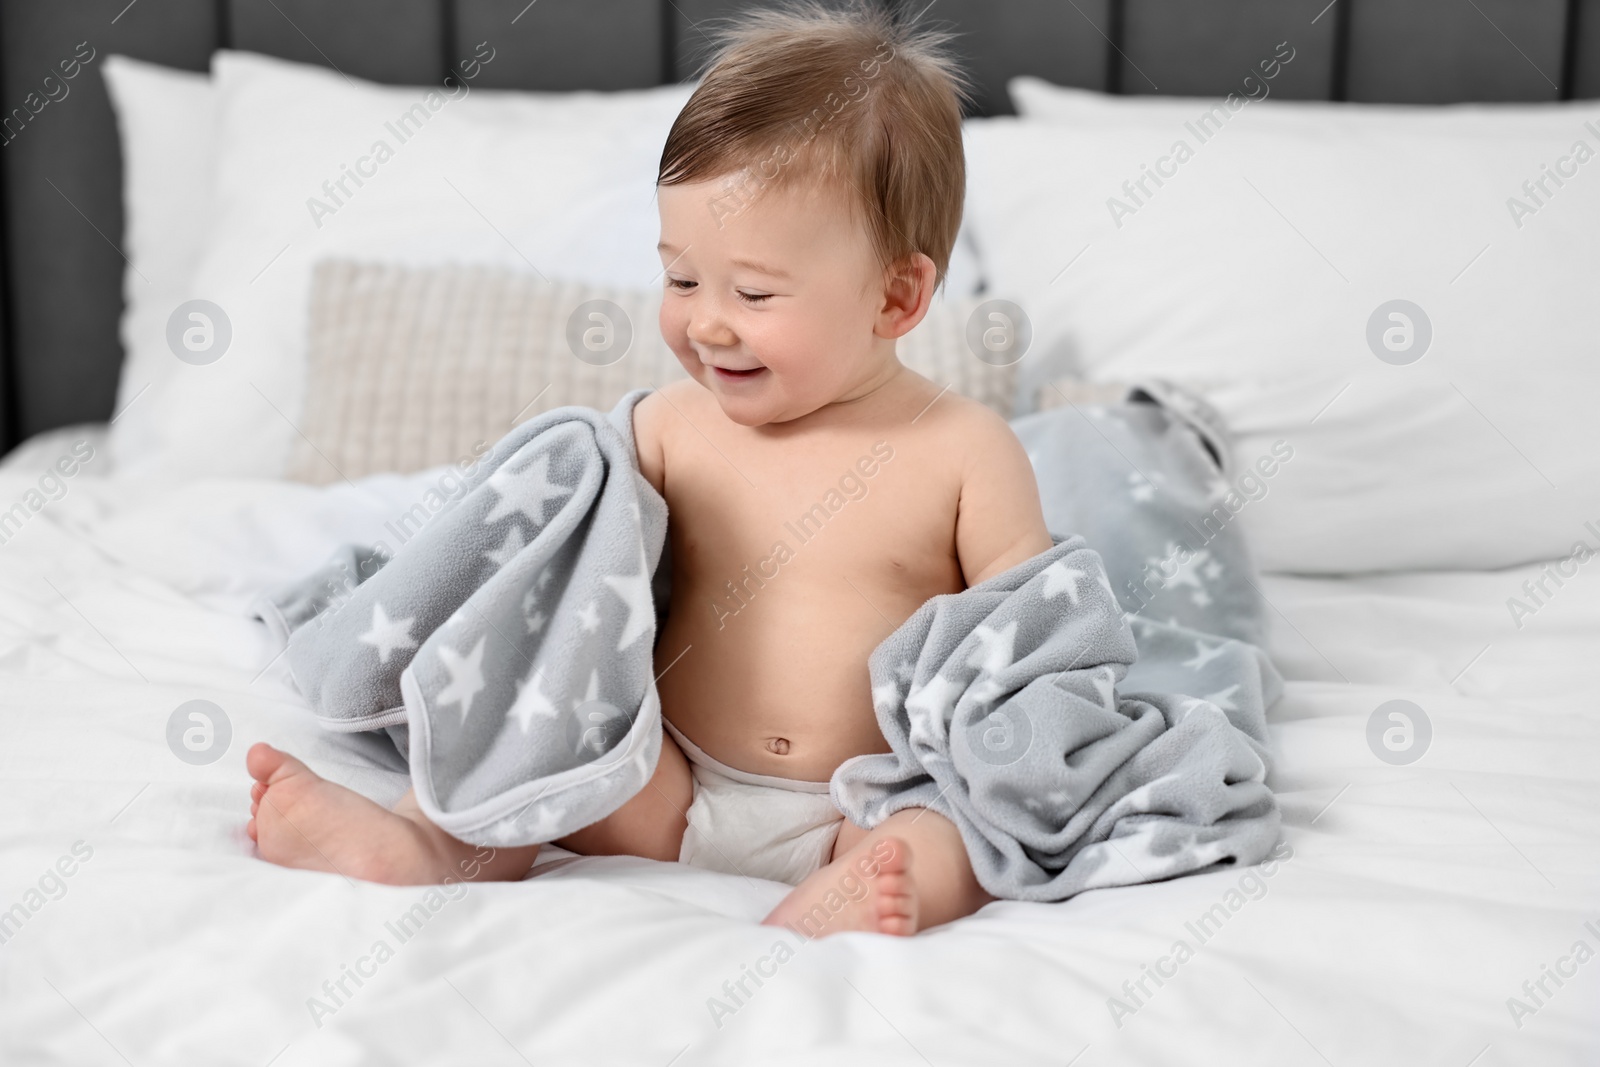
(1417, 901)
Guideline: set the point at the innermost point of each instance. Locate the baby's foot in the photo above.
(298, 819)
(844, 896)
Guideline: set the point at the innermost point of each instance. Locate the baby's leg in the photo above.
(652, 823)
(907, 874)
(299, 819)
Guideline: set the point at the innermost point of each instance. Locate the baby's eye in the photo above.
(754, 298)
(679, 283)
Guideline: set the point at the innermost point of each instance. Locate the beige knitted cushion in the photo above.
(411, 368)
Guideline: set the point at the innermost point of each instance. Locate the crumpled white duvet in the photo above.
(1417, 908)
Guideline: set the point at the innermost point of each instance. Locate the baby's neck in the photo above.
(867, 397)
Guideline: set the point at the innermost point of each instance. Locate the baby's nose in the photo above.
(710, 330)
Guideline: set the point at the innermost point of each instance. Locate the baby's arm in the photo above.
(647, 430)
(999, 521)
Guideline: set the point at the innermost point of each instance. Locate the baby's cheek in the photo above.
(674, 329)
(675, 332)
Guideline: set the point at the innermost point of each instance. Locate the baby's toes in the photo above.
(266, 763)
(896, 904)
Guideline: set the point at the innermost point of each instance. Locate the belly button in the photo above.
(779, 745)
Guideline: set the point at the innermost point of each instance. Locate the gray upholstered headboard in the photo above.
(60, 180)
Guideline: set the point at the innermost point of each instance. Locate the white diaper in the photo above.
(758, 825)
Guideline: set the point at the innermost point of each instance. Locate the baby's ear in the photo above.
(908, 286)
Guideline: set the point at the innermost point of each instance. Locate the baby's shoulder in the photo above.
(956, 421)
(967, 436)
(651, 417)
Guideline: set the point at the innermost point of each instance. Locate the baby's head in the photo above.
(810, 194)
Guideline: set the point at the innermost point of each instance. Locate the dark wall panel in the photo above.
(1586, 50)
(63, 198)
(692, 28)
(1064, 43)
(1181, 48)
(554, 45)
(396, 41)
(1443, 51)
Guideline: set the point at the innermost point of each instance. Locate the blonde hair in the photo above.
(846, 96)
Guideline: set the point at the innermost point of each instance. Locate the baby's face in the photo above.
(772, 305)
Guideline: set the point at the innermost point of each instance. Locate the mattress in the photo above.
(1427, 912)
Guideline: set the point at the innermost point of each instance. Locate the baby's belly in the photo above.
(780, 686)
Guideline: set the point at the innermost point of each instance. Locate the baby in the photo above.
(819, 492)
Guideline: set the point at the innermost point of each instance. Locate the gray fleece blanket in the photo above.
(507, 648)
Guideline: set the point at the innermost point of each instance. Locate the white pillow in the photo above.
(1035, 98)
(563, 182)
(1251, 275)
(164, 124)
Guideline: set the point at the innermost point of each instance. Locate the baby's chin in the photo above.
(767, 405)
(749, 412)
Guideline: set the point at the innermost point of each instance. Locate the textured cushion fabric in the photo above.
(411, 368)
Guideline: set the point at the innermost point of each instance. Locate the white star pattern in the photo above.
(386, 636)
(904, 671)
(547, 821)
(592, 693)
(589, 617)
(544, 578)
(529, 599)
(933, 703)
(1107, 689)
(934, 699)
(531, 703)
(1200, 598)
(1223, 698)
(504, 830)
(544, 822)
(635, 593)
(524, 492)
(535, 622)
(985, 689)
(1204, 654)
(885, 696)
(466, 676)
(508, 548)
(1213, 570)
(996, 647)
(1060, 578)
(1185, 574)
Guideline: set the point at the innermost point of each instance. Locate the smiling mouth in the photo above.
(737, 375)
